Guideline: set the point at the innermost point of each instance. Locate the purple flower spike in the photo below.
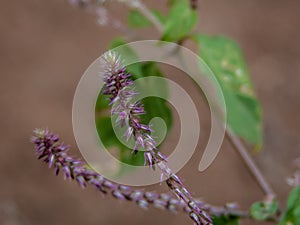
(55, 154)
(119, 88)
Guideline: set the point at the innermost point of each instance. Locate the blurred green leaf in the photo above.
(162, 18)
(225, 220)
(225, 59)
(263, 210)
(102, 102)
(292, 213)
(180, 21)
(110, 140)
(117, 42)
(172, 2)
(106, 132)
(154, 106)
(137, 20)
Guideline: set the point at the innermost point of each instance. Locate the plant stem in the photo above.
(252, 167)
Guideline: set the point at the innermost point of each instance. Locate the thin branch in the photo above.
(252, 167)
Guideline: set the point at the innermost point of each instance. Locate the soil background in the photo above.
(45, 46)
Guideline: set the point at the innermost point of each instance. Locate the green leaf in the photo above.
(225, 59)
(292, 214)
(154, 106)
(137, 20)
(106, 132)
(110, 141)
(180, 22)
(225, 220)
(162, 19)
(263, 210)
(102, 102)
(172, 2)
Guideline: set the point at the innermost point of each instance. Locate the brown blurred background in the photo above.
(45, 46)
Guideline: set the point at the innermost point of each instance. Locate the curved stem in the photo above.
(252, 167)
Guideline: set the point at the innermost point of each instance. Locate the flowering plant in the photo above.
(225, 59)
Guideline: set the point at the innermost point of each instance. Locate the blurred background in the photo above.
(45, 46)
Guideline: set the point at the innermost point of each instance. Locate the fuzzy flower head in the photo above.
(114, 75)
(120, 89)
